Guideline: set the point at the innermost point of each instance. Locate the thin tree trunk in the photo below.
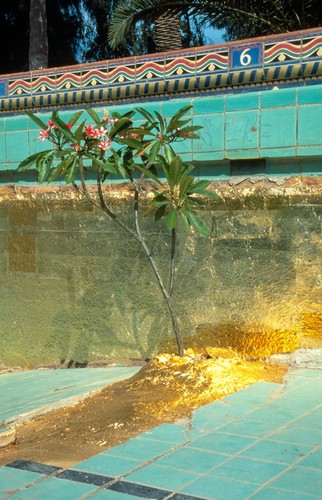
(138, 237)
(38, 42)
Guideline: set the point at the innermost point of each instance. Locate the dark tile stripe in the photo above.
(139, 490)
(126, 487)
(84, 477)
(34, 467)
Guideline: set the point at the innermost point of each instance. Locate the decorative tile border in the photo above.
(227, 67)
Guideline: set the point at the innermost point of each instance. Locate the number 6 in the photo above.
(245, 58)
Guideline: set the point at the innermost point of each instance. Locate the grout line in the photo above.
(280, 474)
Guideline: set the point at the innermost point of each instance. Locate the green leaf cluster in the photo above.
(137, 145)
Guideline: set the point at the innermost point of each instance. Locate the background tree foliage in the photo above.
(76, 32)
(64, 30)
(240, 18)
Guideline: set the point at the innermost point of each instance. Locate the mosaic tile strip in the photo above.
(262, 61)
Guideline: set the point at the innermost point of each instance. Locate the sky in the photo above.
(214, 36)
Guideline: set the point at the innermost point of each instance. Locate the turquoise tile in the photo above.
(314, 460)
(278, 128)
(170, 433)
(300, 480)
(2, 124)
(252, 428)
(279, 97)
(125, 108)
(38, 388)
(298, 435)
(245, 101)
(13, 479)
(17, 146)
(190, 459)
(43, 116)
(162, 477)
(246, 154)
(309, 150)
(140, 449)
(242, 130)
(107, 465)
(57, 489)
(211, 135)
(222, 443)
(310, 95)
(19, 122)
(3, 152)
(312, 420)
(307, 373)
(249, 470)
(227, 407)
(202, 422)
(205, 105)
(309, 125)
(273, 494)
(184, 146)
(274, 451)
(169, 108)
(281, 152)
(255, 393)
(267, 413)
(210, 156)
(219, 488)
(285, 407)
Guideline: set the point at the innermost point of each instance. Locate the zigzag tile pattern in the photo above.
(231, 67)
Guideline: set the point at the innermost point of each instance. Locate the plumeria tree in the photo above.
(136, 150)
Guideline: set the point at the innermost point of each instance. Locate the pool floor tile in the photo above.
(219, 488)
(295, 433)
(56, 489)
(249, 470)
(169, 433)
(251, 428)
(222, 443)
(193, 460)
(228, 408)
(162, 477)
(140, 449)
(300, 480)
(273, 494)
(262, 443)
(278, 452)
(204, 423)
(313, 460)
(256, 393)
(107, 465)
(311, 420)
(13, 479)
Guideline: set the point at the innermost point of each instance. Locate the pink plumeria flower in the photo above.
(96, 133)
(89, 130)
(103, 131)
(104, 144)
(43, 135)
(51, 124)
